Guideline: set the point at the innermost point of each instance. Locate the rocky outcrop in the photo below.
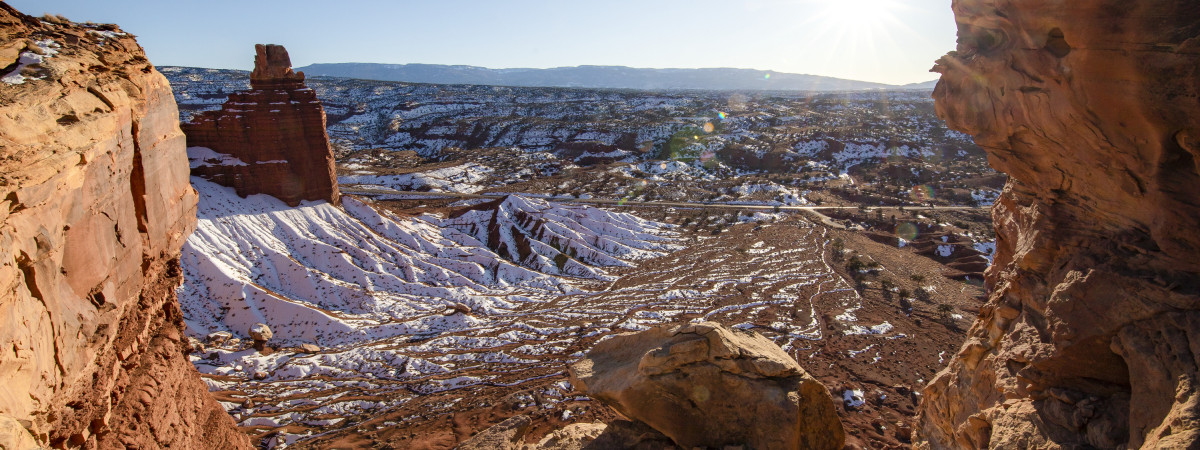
(511, 434)
(506, 435)
(274, 136)
(96, 205)
(1091, 334)
(704, 385)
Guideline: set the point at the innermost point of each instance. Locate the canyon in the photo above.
(467, 294)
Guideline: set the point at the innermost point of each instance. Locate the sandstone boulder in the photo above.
(218, 337)
(457, 308)
(261, 332)
(704, 385)
(309, 348)
(575, 436)
(506, 435)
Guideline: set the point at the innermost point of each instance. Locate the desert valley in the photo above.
(216, 258)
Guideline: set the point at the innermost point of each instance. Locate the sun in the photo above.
(861, 30)
(864, 14)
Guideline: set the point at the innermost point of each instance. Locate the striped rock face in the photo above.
(271, 139)
(1088, 338)
(97, 205)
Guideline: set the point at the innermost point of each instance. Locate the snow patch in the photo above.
(46, 48)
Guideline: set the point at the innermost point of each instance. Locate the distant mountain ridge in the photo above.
(618, 77)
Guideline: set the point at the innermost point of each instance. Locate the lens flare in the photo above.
(721, 115)
(767, 76)
(906, 231)
(708, 127)
(707, 155)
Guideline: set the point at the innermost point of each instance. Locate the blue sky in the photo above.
(888, 41)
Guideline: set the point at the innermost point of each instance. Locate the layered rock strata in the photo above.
(96, 205)
(274, 135)
(1091, 335)
(704, 385)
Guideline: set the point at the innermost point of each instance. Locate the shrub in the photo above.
(944, 311)
(854, 265)
(838, 247)
(887, 285)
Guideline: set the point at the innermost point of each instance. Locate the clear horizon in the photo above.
(883, 41)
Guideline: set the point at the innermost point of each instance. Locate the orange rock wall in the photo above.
(1091, 334)
(96, 205)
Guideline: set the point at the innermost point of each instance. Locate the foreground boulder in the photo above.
(618, 435)
(1091, 335)
(96, 205)
(704, 385)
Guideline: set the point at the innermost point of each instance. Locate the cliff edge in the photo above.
(95, 206)
(1091, 335)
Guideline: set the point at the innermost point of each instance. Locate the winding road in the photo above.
(814, 210)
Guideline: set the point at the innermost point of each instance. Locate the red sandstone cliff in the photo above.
(96, 205)
(1091, 335)
(276, 130)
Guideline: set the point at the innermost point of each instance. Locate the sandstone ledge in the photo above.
(96, 205)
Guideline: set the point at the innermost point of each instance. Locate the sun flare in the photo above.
(869, 14)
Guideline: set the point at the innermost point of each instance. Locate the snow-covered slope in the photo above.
(336, 276)
(376, 291)
(576, 241)
(465, 178)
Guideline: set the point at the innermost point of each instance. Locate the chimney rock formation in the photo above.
(275, 132)
(95, 206)
(1091, 335)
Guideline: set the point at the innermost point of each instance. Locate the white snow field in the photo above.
(334, 276)
(376, 292)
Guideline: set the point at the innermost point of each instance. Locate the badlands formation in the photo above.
(1087, 339)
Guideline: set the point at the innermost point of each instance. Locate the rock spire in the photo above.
(273, 135)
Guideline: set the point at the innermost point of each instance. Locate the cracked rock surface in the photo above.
(704, 385)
